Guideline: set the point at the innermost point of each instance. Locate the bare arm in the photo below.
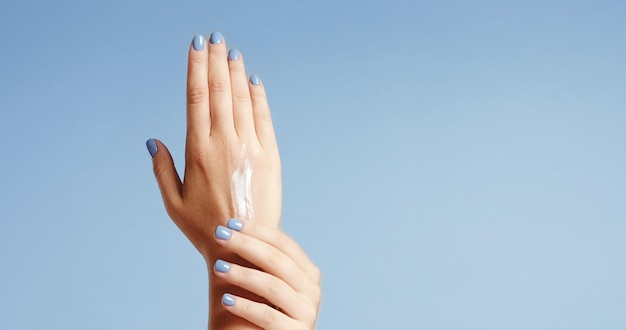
(232, 165)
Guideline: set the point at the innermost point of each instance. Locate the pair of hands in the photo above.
(254, 263)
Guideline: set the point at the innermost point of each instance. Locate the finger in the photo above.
(281, 241)
(262, 117)
(259, 314)
(166, 176)
(219, 86)
(266, 257)
(198, 116)
(263, 285)
(242, 104)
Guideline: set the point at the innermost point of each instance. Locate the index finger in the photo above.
(198, 114)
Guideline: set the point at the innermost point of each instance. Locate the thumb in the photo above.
(166, 176)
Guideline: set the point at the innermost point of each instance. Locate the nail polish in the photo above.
(222, 266)
(254, 79)
(152, 147)
(222, 233)
(233, 54)
(235, 224)
(198, 42)
(216, 38)
(228, 300)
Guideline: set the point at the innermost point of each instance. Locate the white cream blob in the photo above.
(241, 186)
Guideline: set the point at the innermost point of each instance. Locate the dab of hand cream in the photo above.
(241, 186)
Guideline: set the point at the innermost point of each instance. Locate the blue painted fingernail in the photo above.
(222, 266)
(216, 38)
(222, 232)
(198, 42)
(228, 300)
(233, 54)
(235, 224)
(254, 79)
(152, 147)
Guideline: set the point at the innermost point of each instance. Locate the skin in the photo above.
(287, 279)
(225, 113)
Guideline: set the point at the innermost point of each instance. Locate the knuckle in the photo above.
(241, 97)
(244, 307)
(239, 276)
(268, 317)
(310, 313)
(280, 239)
(317, 295)
(274, 259)
(218, 85)
(317, 274)
(274, 287)
(197, 95)
(159, 170)
(263, 116)
(172, 209)
(238, 242)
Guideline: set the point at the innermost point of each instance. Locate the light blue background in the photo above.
(448, 165)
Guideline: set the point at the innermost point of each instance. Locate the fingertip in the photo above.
(234, 54)
(222, 233)
(216, 38)
(235, 224)
(228, 300)
(255, 80)
(221, 266)
(152, 147)
(198, 42)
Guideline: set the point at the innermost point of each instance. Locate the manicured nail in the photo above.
(254, 79)
(233, 54)
(235, 224)
(216, 38)
(222, 232)
(152, 147)
(228, 300)
(198, 42)
(222, 266)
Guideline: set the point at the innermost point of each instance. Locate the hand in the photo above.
(286, 278)
(232, 165)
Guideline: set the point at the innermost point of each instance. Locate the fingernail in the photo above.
(228, 300)
(254, 79)
(198, 42)
(222, 266)
(216, 38)
(222, 232)
(152, 147)
(235, 224)
(233, 54)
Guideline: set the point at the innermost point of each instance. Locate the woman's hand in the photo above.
(232, 165)
(284, 277)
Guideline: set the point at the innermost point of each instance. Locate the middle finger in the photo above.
(219, 86)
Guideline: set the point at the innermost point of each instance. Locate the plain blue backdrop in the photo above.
(448, 165)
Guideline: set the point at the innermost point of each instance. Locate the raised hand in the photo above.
(232, 165)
